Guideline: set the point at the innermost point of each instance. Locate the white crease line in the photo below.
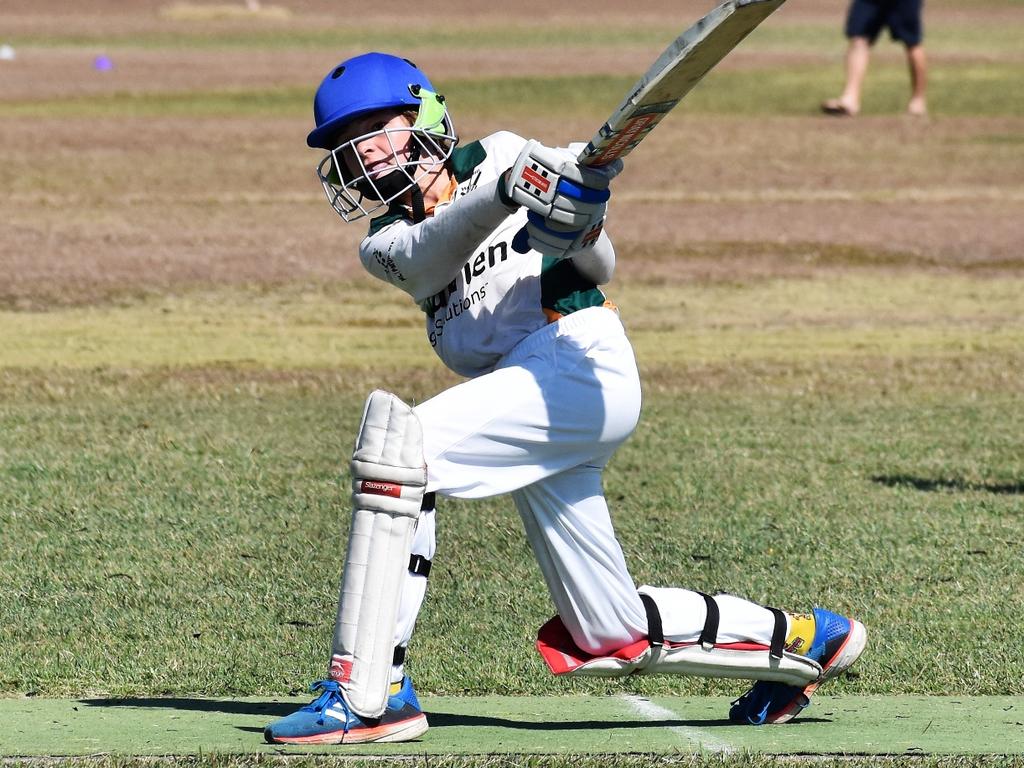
(696, 736)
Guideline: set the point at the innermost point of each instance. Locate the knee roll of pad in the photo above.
(388, 473)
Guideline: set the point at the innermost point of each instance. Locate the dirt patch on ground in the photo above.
(97, 209)
(44, 69)
(54, 16)
(114, 207)
(45, 73)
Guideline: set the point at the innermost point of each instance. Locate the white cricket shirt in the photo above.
(469, 267)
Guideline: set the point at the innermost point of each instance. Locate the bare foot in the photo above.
(917, 108)
(839, 108)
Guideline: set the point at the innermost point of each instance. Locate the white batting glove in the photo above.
(566, 201)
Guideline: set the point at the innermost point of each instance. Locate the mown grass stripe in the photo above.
(979, 38)
(845, 316)
(968, 90)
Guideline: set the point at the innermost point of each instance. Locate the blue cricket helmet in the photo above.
(359, 85)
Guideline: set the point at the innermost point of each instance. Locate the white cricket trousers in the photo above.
(541, 427)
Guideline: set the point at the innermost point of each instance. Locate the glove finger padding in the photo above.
(566, 201)
(547, 178)
(557, 240)
(533, 180)
(576, 206)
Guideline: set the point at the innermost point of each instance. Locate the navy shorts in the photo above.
(867, 18)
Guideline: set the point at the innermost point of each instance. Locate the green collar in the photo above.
(464, 160)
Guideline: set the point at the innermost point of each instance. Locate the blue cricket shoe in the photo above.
(328, 720)
(838, 641)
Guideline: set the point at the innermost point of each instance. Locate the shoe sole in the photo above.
(406, 730)
(843, 659)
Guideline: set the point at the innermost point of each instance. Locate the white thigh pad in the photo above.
(388, 482)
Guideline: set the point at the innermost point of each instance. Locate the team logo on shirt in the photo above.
(446, 305)
(388, 263)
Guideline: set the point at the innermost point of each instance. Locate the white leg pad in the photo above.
(388, 482)
(744, 660)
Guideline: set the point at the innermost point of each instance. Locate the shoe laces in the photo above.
(331, 695)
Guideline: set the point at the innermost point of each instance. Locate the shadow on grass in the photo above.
(448, 719)
(274, 709)
(269, 708)
(956, 484)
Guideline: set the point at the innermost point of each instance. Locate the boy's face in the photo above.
(386, 142)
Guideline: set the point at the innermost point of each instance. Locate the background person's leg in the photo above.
(858, 54)
(918, 64)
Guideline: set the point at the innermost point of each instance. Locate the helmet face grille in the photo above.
(355, 191)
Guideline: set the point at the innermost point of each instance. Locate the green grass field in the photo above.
(832, 423)
(175, 527)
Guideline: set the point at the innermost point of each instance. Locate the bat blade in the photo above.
(682, 65)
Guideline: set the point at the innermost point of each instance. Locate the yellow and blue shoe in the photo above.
(328, 720)
(837, 643)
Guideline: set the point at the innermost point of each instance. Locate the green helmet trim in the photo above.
(432, 111)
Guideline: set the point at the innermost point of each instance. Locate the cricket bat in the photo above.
(691, 56)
